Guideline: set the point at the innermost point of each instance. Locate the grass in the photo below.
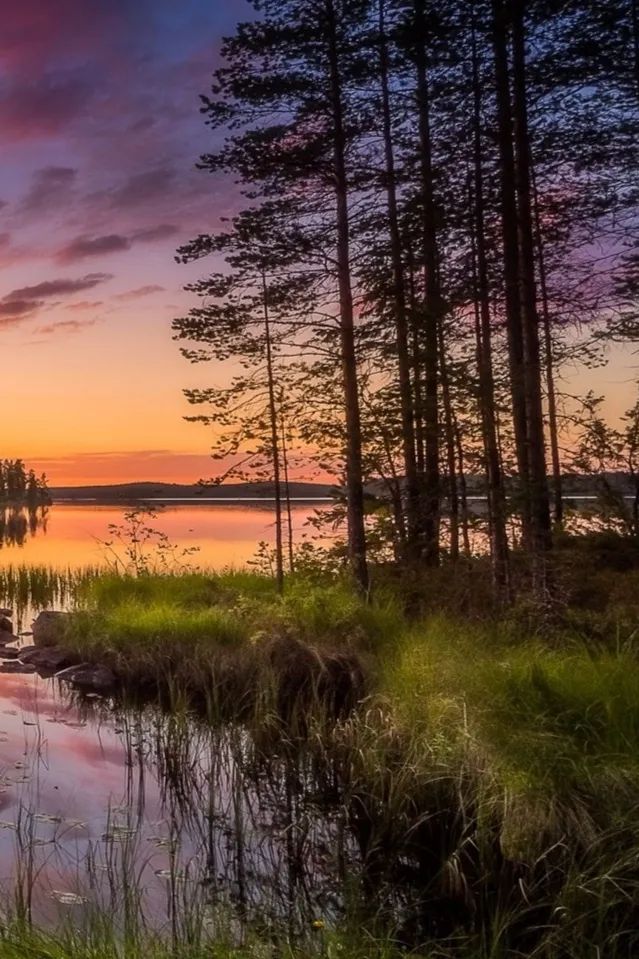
(27, 943)
(229, 640)
(490, 773)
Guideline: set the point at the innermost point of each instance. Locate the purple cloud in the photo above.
(44, 106)
(65, 326)
(85, 305)
(50, 187)
(14, 309)
(161, 232)
(61, 287)
(141, 187)
(86, 246)
(139, 293)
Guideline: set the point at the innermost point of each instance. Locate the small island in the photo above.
(20, 486)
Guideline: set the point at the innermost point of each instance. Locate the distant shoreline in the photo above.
(192, 494)
(187, 500)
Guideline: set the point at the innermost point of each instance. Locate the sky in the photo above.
(98, 187)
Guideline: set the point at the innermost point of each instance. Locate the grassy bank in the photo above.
(488, 766)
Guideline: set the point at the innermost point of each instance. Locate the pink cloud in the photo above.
(65, 326)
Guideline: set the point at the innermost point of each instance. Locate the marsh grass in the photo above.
(489, 772)
(19, 942)
(28, 589)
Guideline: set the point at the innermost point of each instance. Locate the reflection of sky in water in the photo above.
(226, 535)
(91, 798)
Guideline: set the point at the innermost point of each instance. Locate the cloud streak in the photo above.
(65, 326)
(22, 303)
(139, 293)
(59, 287)
(84, 247)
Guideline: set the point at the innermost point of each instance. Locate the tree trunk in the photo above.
(287, 497)
(272, 407)
(538, 480)
(416, 364)
(412, 487)
(494, 476)
(553, 428)
(354, 484)
(511, 260)
(451, 459)
(463, 492)
(432, 295)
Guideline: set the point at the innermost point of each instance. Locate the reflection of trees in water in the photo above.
(204, 831)
(18, 523)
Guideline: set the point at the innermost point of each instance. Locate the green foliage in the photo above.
(551, 720)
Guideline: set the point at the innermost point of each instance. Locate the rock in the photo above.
(88, 678)
(6, 626)
(15, 666)
(49, 627)
(50, 659)
(6, 638)
(4, 611)
(9, 652)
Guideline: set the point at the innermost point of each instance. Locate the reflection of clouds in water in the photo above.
(97, 797)
(225, 534)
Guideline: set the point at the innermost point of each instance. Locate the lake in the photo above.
(72, 535)
(153, 818)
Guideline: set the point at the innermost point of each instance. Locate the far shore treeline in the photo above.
(20, 486)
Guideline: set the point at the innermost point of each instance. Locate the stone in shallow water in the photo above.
(9, 652)
(6, 638)
(5, 611)
(49, 627)
(15, 666)
(88, 678)
(50, 658)
(6, 626)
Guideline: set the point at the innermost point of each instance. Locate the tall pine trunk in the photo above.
(549, 363)
(416, 368)
(538, 480)
(432, 294)
(510, 242)
(272, 407)
(451, 458)
(354, 484)
(494, 476)
(413, 505)
(287, 496)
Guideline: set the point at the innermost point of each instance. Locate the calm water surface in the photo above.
(142, 815)
(71, 535)
(137, 814)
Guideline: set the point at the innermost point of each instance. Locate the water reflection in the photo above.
(19, 523)
(224, 534)
(153, 819)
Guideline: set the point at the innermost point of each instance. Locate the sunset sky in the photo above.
(98, 186)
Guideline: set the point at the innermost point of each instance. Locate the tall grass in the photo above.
(490, 776)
